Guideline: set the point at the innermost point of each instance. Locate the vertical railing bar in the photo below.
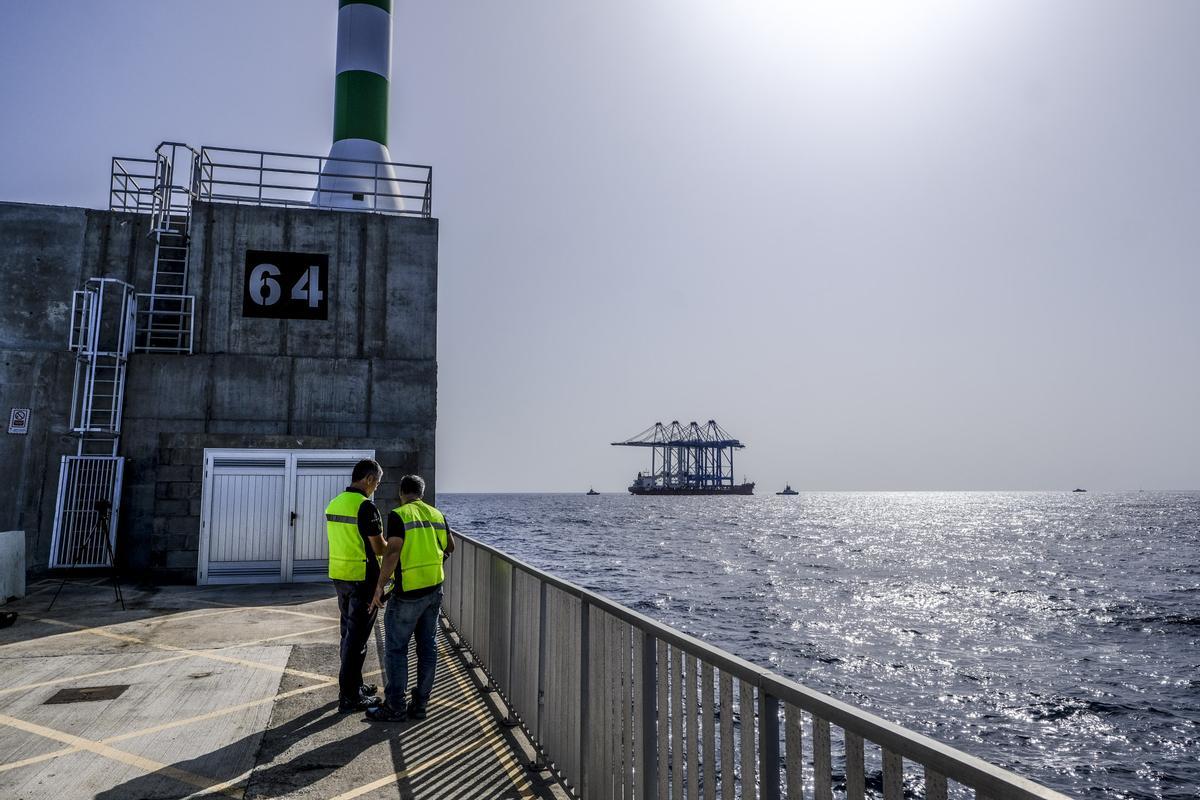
(822, 767)
(541, 665)
(677, 718)
(664, 720)
(709, 779)
(607, 712)
(893, 775)
(648, 729)
(856, 781)
(794, 755)
(746, 714)
(935, 785)
(628, 676)
(585, 716)
(768, 746)
(727, 754)
(693, 732)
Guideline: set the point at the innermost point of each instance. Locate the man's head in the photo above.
(412, 487)
(367, 476)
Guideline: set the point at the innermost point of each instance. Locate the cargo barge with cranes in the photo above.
(690, 459)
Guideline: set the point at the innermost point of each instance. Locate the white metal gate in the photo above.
(85, 484)
(263, 517)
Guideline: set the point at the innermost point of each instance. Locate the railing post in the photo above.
(511, 720)
(539, 763)
(649, 679)
(768, 746)
(585, 716)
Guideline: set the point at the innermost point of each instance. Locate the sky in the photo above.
(922, 246)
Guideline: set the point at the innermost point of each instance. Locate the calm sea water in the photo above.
(1055, 634)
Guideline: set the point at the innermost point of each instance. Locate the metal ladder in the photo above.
(165, 314)
(103, 316)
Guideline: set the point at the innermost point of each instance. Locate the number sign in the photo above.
(286, 285)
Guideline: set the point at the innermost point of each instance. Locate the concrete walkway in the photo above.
(229, 691)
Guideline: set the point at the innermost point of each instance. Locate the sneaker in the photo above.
(367, 690)
(416, 712)
(360, 703)
(384, 713)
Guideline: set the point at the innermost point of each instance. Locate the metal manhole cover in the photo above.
(86, 693)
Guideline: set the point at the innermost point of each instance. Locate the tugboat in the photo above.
(687, 459)
(592, 491)
(788, 490)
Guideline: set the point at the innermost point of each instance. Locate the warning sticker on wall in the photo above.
(18, 420)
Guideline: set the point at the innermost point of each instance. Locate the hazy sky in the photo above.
(945, 245)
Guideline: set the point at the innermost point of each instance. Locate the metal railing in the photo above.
(263, 178)
(131, 185)
(622, 706)
(101, 337)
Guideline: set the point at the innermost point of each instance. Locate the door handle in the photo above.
(292, 523)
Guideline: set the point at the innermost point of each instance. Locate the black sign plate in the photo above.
(286, 285)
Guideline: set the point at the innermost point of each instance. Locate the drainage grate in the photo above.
(87, 693)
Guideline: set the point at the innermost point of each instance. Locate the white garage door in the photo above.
(263, 518)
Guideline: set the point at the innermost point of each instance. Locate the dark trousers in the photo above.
(353, 599)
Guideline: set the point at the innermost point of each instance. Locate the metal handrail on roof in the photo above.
(268, 178)
(608, 694)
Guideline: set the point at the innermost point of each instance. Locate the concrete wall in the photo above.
(366, 377)
(46, 252)
(12, 565)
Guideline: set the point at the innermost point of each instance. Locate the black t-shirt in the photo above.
(369, 524)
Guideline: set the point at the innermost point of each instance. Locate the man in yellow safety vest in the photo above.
(355, 543)
(418, 541)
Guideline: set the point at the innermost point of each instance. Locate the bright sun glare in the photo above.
(846, 33)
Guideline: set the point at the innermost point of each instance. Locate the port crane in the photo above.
(687, 459)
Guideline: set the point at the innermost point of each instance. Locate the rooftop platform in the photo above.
(229, 691)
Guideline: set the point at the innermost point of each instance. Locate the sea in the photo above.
(1056, 634)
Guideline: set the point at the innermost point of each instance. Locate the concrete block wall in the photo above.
(364, 378)
(47, 252)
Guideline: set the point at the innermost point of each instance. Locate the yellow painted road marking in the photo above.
(459, 678)
(29, 686)
(221, 712)
(144, 764)
(25, 762)
(272, 609)
(203, 653)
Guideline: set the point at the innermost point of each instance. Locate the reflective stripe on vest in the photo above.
(424, 542)
(347, 554)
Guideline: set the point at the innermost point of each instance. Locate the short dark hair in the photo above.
(366, 468)
(412, 484)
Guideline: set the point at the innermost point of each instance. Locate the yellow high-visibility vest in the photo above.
(347, 553)
(424, 542)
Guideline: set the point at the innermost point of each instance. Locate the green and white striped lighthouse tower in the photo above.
(360, 112)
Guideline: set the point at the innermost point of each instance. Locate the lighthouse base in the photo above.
(359, 175)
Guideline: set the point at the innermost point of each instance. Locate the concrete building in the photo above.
(229, 449)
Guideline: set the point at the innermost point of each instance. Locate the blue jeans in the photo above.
(401, 619)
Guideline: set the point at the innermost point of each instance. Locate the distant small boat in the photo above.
(1079, 490)
(592, 491)
(788, 490)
